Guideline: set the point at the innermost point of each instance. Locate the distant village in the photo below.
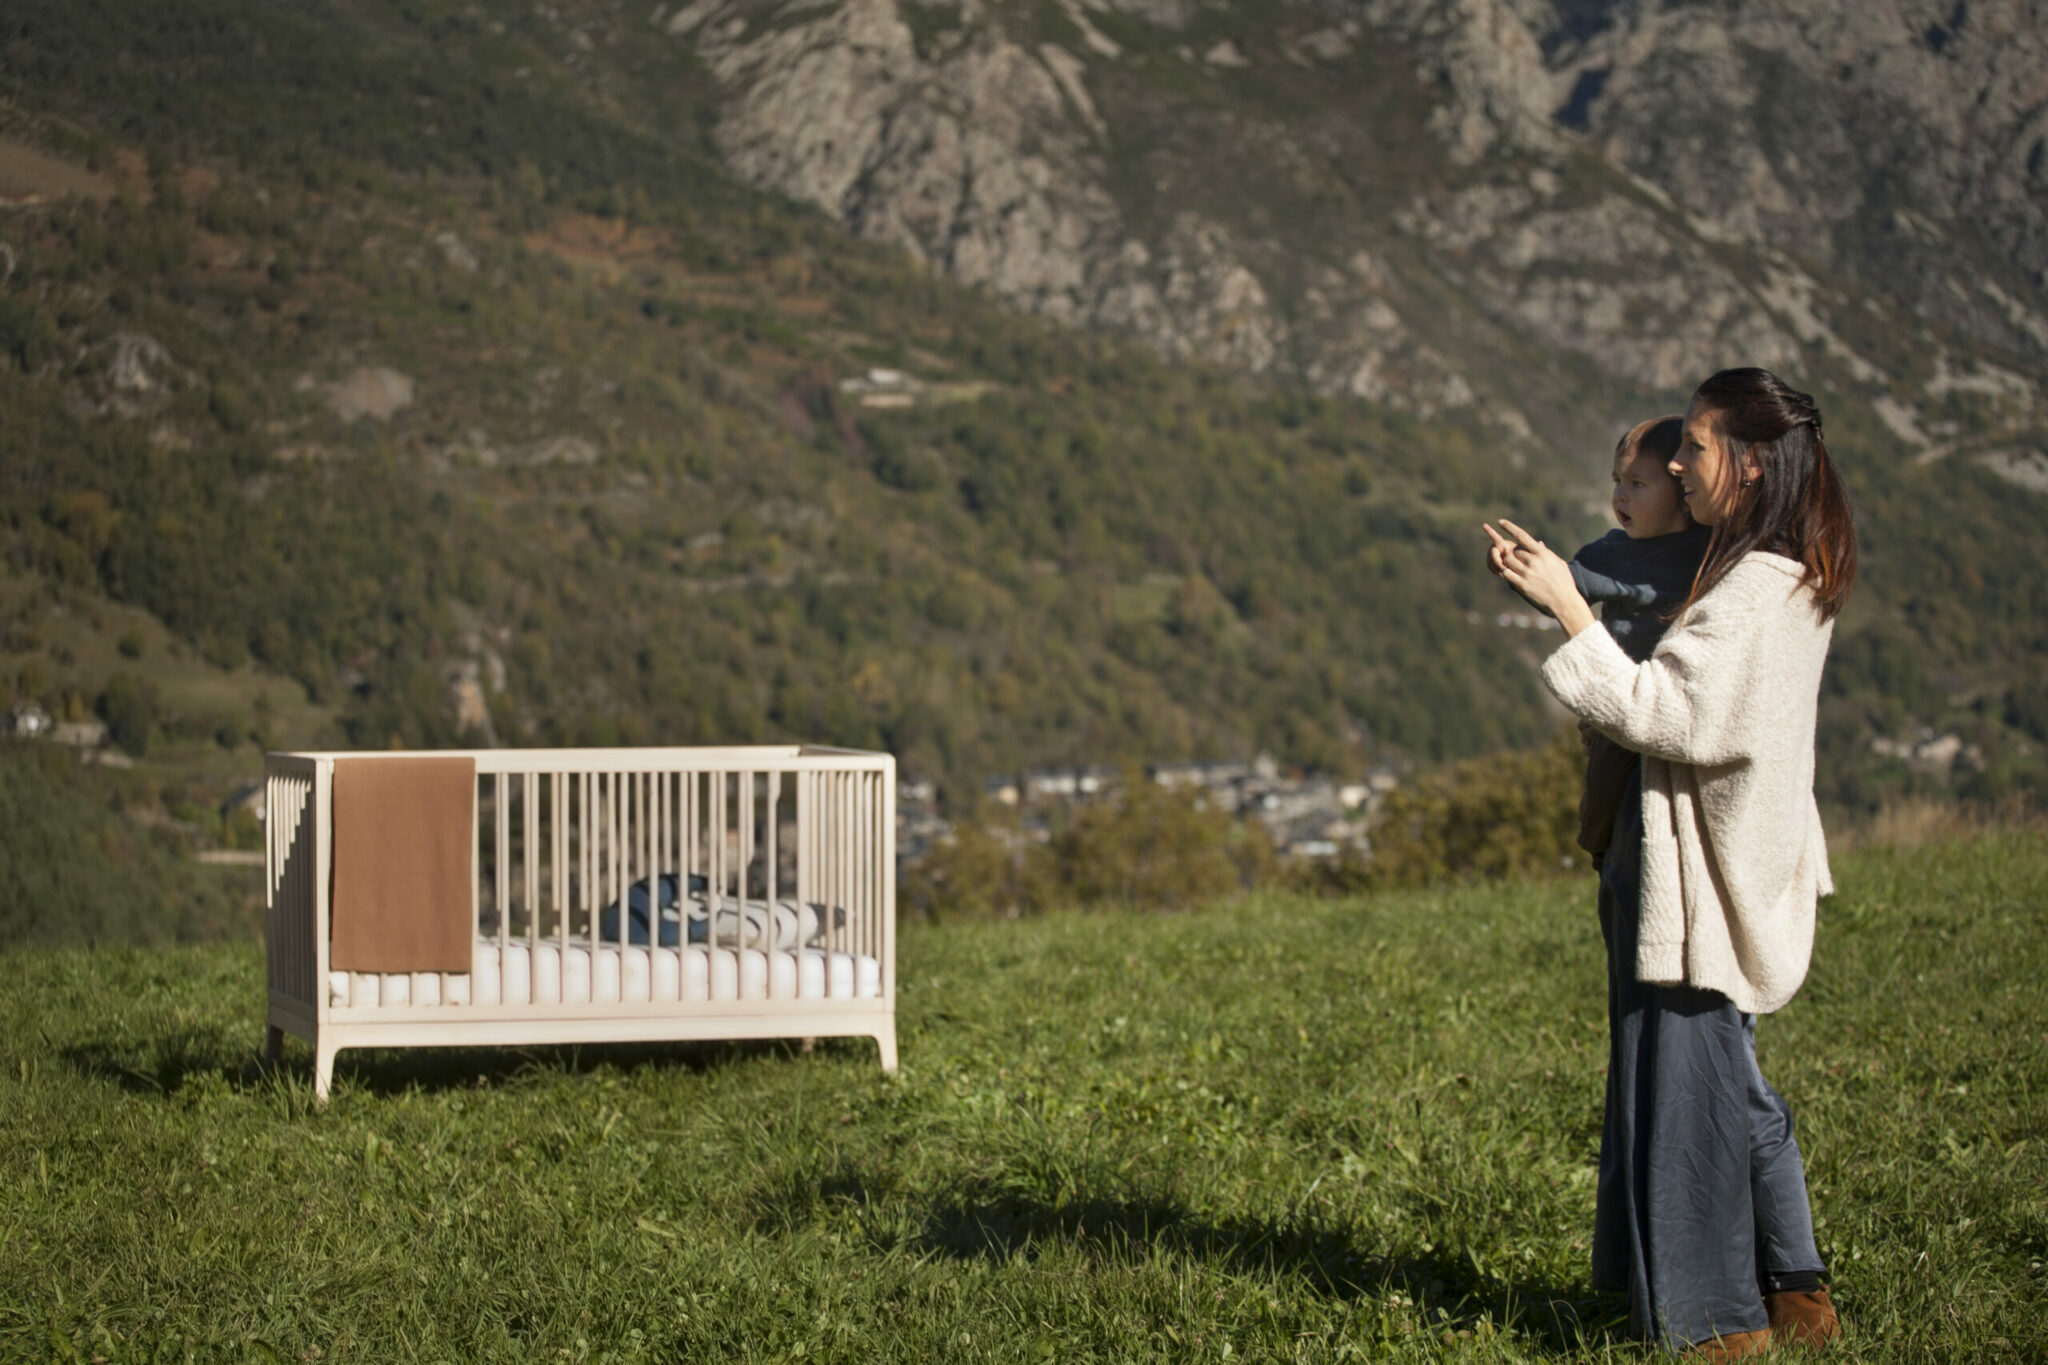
(1305, 816)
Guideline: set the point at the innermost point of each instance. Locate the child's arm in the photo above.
(1598, 587)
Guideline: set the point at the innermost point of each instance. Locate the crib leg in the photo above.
(885, 1040)
(273, 1047)
(323, 1070)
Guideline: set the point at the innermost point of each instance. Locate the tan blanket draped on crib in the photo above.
(404, 845)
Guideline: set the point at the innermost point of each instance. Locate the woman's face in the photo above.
(1710, 481)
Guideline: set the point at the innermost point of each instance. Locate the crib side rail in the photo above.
(846, 833)
(589, 846)
(596, 853)
(294, 838)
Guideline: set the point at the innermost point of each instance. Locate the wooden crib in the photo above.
(615, 895)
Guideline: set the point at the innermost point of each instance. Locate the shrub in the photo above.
(1150, 846)
(1510, 815)
(980, 870)
(129, 707)
(1146, 847)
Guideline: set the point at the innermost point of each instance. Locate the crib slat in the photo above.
(864, 838)
(772, 871)
(834, 858)
(618, 847)
(641, 788)
(295, 880)
(746, 835)
(803, 890)
(622, 859)
(500, 879)
(717, 837)
(593, 852)
(654, 870)
(661, 859)
(742, 823)
(849, 855)
(863, 861)
(870, 816)
(273, 939)
(774, 836)
(287, 836)
(815, 858)
(558, 787)
(888, 943)
(580, 891)
(529, 840)
(885, 864)
(828, 856)
(869, 840)
(634, 805)
(855, 911)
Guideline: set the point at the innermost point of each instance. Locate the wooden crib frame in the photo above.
(561, 832)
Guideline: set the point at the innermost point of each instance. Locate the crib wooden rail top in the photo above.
(757, 758)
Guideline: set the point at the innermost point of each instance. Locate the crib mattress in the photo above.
(551, 974)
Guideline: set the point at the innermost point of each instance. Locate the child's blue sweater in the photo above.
(1638, 584)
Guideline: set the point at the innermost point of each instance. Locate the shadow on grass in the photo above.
(1000, 1226)
(979, 1222)
(163, 1065)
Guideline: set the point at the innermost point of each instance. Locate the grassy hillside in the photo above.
(628, 498)
(1277, 1130)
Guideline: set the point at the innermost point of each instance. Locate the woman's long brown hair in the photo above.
(1796, 505)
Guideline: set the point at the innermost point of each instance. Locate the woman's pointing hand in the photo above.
(1534, 569)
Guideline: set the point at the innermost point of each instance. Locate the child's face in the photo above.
(1647, 501)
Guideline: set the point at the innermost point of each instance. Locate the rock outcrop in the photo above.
(1439, 203)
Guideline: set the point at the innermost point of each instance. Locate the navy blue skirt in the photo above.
(1702, 1204)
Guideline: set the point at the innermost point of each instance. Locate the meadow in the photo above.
(1274, 1129)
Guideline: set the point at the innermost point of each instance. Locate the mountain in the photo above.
(1445, 203)
(1003, 384)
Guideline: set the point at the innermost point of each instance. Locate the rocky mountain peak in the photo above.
(1435, 203)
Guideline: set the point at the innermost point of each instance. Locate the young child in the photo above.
(1637, 576)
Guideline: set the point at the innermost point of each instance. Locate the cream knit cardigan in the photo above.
(1723, 714)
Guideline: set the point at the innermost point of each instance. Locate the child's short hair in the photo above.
(1658, 438)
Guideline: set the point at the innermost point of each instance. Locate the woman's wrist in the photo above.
(1575, 615)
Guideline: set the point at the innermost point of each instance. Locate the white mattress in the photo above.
(546, 974)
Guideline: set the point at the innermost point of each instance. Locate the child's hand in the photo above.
(1495, 554)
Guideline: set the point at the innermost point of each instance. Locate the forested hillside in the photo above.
(433, 361)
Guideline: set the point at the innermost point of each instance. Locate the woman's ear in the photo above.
(1752, 467)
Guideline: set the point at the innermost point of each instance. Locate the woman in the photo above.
(1707, 895)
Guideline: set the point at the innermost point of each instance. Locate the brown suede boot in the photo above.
(1802, 1317)
(1729, 1346)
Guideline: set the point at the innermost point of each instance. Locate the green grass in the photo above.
(1278, 1130)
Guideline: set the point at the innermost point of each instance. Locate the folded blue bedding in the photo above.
(682, 913)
